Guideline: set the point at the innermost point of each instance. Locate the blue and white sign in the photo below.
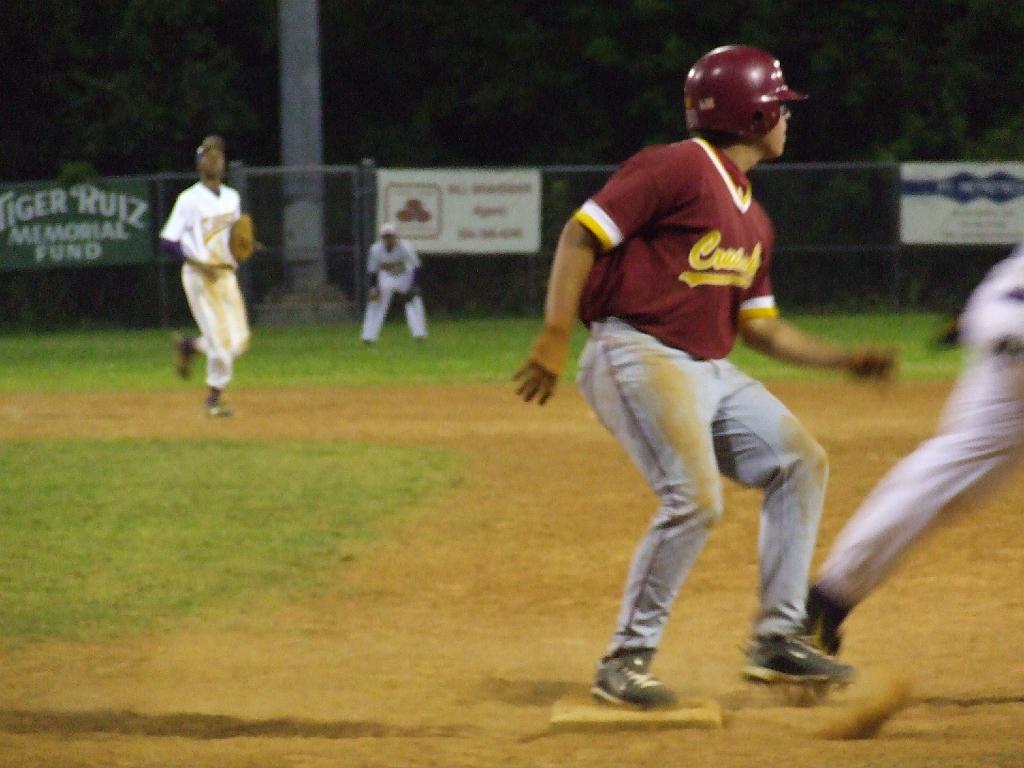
(962, 203)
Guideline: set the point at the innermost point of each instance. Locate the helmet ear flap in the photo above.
(763, 120)
(758, 121)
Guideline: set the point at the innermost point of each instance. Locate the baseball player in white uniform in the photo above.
(393, 266)
(197, 232)
(980, 436)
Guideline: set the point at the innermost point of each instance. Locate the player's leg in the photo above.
(226, 337)
(377, 311)
(373, 319)
(979, 438)
(235, 316)
(658, 403)
(233, 327)
(416, 316)
(760, 443)
(184, 352)
(214, 342)
(193, 286)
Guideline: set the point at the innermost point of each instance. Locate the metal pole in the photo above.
(240, 181)
(161, 261)
(302, 142)
(365, 224)
(897, 251)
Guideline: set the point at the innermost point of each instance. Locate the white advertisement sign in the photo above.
(968, 203)
(465, 210)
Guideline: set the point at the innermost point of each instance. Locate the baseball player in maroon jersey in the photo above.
(666, 265)
(979, 439)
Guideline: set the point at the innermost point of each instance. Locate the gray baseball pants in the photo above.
(685, 422)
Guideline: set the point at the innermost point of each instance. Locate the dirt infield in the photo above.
(446, 644)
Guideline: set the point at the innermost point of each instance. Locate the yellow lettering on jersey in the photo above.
(714, 265)
(214, 225)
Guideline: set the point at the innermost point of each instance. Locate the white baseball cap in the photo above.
(387, 228)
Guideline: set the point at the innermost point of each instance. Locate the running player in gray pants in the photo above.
(666, 265)
(980, 438)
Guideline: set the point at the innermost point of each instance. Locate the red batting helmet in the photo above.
(736, 89)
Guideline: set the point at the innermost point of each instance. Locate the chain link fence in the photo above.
(837, 248)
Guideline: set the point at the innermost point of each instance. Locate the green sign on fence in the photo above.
(86, 225)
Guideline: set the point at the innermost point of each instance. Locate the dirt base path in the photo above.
(447, 643)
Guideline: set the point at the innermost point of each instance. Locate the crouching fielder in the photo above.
(980, 436)
(198, 232)
(394, 268)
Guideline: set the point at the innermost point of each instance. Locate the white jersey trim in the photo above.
(759, 302)
(742, 197)
(594, 215)
(760, 307)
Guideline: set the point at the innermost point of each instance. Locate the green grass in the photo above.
(103, 537)
(469, 351)
(911, 334)
(458, 351)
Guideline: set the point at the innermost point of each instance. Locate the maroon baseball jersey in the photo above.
(687, 248)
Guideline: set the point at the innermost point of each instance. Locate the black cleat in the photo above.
(824, 617)
(219, 410)
(779, 659)
(214, 407)
(623, 679)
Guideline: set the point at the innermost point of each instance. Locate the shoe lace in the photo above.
(640, 679)
(811, 643)
(806, 643)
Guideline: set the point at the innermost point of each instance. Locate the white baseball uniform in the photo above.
(395, 271)
(980, 436)
(201, 222)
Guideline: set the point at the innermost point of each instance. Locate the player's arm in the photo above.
(776, 338)
(177, 236)
(574, 258)
(173, 230)
(172, 248)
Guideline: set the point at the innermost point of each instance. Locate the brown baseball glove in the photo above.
(242, 240)
(868, 362)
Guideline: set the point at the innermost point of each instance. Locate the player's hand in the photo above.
(545, 363)
(869, 362)
(543, 366)
(373, 295)
(535, 381)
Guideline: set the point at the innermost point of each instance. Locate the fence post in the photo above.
(897, 251)
(161, 260)
(240, 181)
(365, 223)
